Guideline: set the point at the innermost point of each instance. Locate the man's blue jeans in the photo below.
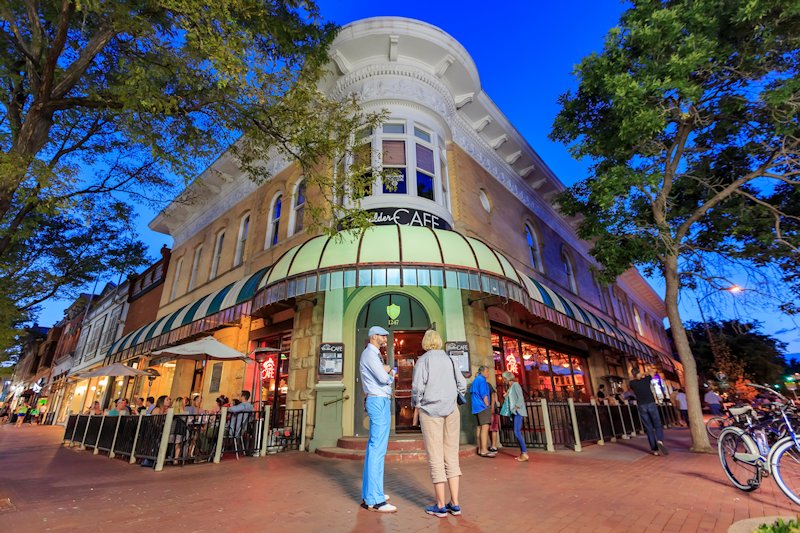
(651, 421)
(380, 421)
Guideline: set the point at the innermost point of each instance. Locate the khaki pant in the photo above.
(441, 436)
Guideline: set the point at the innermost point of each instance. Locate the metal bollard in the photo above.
(265, 434)
(162, 448)
(136, 438)
(548, 431)
(602, 441)
(303, 429)
(574, 418)
(223, 420)
(111, 453)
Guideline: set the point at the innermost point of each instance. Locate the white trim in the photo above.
(292, 230)
(271, 221)
(219, 242)
(241, 239)
(173, 293)
(195, 267)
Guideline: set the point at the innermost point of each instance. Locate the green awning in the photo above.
(224, 298)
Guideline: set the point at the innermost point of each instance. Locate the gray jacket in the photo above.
(436, 384)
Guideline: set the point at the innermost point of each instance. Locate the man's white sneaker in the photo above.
(382, 507)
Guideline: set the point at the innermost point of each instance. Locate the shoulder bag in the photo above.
(460, 399)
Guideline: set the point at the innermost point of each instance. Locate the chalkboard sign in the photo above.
(459, 351)
(331, 359)
(216, 376)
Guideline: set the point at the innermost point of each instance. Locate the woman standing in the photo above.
(434, 389)
(516, 407)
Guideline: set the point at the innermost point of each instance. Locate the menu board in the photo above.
(331, 359)
(459, 352)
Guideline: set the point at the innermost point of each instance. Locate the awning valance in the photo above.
(228, 297)
(417, 256)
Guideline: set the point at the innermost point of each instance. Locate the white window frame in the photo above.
(294, 218)
(535, 248)
(198, 251)
(569, 271)
(274, 225)
(216, 259)
(173, 293)
(637, 320)
(241, 240)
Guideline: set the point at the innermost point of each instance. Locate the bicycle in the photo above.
(734, 416)
(747, 457)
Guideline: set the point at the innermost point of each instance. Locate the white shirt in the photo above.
(712, 397)
(681, 399)
(374, 378)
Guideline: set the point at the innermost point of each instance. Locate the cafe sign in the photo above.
(404, 216)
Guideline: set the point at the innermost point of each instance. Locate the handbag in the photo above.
(505, 410)
(460, 398)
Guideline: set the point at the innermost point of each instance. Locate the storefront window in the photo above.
(274, 377)
(541, 371)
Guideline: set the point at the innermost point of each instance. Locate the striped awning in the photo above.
(229, 296)
(407, 256)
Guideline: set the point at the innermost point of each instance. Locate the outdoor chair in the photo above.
(235, 431)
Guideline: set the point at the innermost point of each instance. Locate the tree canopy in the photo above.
(690, 120)
(107, 104)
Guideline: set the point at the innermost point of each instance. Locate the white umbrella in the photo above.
(207, 347)
(116, 369)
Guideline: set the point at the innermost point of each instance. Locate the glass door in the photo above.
(406, 349)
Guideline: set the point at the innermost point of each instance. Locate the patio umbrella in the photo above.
(116, 369)
(199, 350)
(205, 348)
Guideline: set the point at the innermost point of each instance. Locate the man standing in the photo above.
(481, 408)
(601, 394)
(714, 402)
(683, 407)
(648, 411)
(376, 379)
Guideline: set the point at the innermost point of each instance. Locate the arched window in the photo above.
(637, 320)
(241, 242)
(533, 248)
(220, 240)
(569, 271)
(195, 265)
(173, 293)
(299, 207)
(274, 221)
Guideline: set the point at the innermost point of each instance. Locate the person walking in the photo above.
(515, 406)
(434, 389)
(376, 380)
(683, 406)
(481, 408)
(22, 412)
(714, 402)
(648, 411)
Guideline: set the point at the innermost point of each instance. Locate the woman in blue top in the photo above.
(515, 405)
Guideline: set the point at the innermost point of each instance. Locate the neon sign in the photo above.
(511, 364)
(268, 369)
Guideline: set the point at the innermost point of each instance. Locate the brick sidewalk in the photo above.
(616, 487)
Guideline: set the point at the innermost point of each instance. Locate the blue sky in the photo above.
(525, 52)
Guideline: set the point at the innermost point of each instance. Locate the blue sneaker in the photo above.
(441, 512)
(454, 510)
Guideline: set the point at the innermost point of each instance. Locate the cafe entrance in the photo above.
(406, 320)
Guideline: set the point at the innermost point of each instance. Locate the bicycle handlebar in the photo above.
(772, 391)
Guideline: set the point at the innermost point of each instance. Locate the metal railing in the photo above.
(569, 424)
(157, 440)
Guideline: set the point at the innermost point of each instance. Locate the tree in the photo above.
(689, 117)
(753, 355)
(110, 102)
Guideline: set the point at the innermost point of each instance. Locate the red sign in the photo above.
(268, 369)
(511, 364)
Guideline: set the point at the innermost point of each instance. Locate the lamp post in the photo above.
(733, 289)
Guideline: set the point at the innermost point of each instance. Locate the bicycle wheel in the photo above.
(785, 465)
(715, 425)
(738, 454)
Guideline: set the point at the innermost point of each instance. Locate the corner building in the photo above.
(467, 242)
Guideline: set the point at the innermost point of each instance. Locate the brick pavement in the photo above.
(616, 487)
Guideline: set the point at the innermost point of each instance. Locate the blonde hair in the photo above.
(432, 340)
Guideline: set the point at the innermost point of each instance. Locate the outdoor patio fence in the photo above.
(568, 424)
(184, 438)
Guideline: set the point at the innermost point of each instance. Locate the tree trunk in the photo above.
(697, 426)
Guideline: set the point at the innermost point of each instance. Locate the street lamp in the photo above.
(733, 289)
